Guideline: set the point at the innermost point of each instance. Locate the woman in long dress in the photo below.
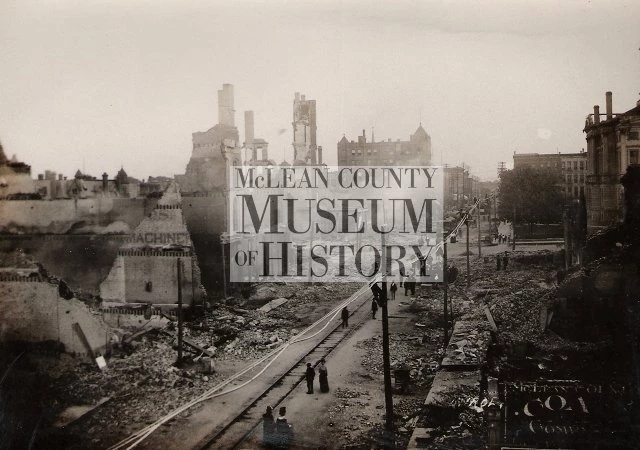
(268, 428)
(324, 380)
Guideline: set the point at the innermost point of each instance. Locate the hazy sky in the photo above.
(104, 83)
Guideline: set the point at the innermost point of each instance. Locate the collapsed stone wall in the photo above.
(32, 311)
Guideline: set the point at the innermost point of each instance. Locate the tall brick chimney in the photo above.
(248, 127)
(596, 114)
(609, 105)
(226, 113)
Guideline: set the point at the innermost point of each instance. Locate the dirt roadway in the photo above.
(352, 413)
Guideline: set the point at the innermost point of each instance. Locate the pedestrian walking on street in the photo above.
(323, 376)
(393, 290)
(310, 375)
(374, 307)
(345, 317)
(283, 429)
(401, 277)
(268, 428)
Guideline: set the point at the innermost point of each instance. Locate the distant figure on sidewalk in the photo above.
(268, 428)
(323, 376)
(345, 317)
(393, 288)
(374, 307)
(310, 375)
(412, 284)
(283, 429)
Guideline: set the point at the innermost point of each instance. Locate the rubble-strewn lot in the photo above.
(141, 383)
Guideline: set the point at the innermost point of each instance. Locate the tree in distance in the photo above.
(534, 195)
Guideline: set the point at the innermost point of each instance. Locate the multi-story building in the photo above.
(457, 187)
(570, 167)
(613, 144)
(574, 173)
(416, 151)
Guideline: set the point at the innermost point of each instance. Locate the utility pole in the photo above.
(513, 227)
(468, 265)
(479, 234)
(446, 294)
(386, 359)
(567, 239)
(179, 268)
(223, 242)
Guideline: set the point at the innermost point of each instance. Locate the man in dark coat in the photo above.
(374, 307)
(345, 317)
(310, 375)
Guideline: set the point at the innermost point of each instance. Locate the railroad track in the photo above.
(234, 434)
(233, 430)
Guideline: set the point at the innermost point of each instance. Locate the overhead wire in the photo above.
(136, 438)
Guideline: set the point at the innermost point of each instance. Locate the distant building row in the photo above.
(16, 184)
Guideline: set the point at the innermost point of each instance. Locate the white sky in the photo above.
(105, 83)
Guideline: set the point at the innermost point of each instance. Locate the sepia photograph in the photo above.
(319, 225)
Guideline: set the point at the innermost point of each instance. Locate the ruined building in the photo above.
(15, 177)
(256, 149)
(613, 144)
(305, 148)
(203, 189)
(145, 269)
(416, 151)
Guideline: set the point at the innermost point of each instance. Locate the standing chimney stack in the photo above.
(596, 114)
(609, 105)
(248, 127)
(226, 113)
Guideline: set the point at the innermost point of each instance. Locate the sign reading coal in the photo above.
(337, 224)
(564, 413)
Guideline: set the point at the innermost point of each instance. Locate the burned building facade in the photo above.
(203, 188)
(613, 144)
(305, 148)
(15, 177)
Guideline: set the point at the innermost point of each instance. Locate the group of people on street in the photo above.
(409, 284)
(323, 377)
(276, 433)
